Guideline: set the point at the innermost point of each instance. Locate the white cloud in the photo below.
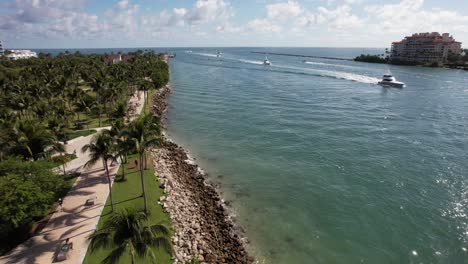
(123, 4)
(410, 16)
(283, 11)
(375, 24)
(209, 10)
(340, 18)
(307, 20)
(49, 18)
(229, 29)
(263, 26)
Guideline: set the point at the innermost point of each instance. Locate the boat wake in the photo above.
(334, 74)
(252, 61)
(299, 70)
(349, 76)
(205, 54)
(329, 64)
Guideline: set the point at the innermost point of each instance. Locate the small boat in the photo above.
(219, 54)
(266, 61)
(389, 80)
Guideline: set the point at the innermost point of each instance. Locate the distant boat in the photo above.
(389, 80)
(266, 61)
(219, 54)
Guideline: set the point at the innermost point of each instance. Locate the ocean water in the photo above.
(320, 164)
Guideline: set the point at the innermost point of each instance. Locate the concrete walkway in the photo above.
(76, 221)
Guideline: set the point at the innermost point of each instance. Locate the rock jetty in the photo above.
(202, 226)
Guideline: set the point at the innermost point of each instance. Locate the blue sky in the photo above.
(170, 23)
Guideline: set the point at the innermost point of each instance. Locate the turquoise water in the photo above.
(320, 164)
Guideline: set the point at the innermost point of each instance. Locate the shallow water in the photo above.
(320, 164)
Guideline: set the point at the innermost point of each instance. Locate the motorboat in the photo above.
(219, 54)
(389, 80)
(266, 61)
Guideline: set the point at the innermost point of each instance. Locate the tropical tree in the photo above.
(31, 140)
(100, 148)
(145, 133)
(129, 232)
(123, 145)
(145, 86)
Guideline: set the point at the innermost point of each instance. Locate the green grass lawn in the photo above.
(92, 121)
(79, 133)
(127, 194)
(149, 100)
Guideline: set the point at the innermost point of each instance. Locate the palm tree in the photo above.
(144, 132)
(128, 231)
(59, 148)
(100, 148)
(145, 86)
(122, 143)
(31, 140)
(97, 81)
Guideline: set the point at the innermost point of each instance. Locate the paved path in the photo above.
(76, 221)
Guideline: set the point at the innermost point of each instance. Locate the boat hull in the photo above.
(392, 84)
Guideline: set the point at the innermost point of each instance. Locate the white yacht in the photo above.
(389, 80)
(266, 61)
(219, 54)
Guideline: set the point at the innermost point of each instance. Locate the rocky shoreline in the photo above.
(202, 226)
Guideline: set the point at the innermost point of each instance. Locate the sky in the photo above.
(225, 23)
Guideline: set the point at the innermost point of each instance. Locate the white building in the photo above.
(21, 54)
(425, 48)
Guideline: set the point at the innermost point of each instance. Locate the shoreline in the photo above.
(203, 227)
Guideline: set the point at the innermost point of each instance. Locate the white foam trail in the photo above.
(205, 54)
(329, 64)
(335, 74)
(251, 61)
(349, 76)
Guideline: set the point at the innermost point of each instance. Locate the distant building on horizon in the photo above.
(1, 48)
(424, 48)
(117, 58)
(21, 54)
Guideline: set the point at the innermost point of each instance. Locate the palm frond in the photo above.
(160, 230)
(115, 255)
(100, 239)
(162, 243)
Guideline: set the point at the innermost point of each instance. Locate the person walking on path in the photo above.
(60, 202)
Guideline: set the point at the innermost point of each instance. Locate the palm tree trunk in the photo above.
(142, 174)
(99, 106)
(110, 186)
(63, 165)
(123, 168)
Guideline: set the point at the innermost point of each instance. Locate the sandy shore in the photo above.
(203, 227)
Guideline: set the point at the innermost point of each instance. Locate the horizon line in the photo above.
(168, 47)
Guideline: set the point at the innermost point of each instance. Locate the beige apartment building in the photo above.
(424, 48)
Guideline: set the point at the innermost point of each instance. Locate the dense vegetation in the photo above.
(27, 190)
(48, 100)
(370, 58)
